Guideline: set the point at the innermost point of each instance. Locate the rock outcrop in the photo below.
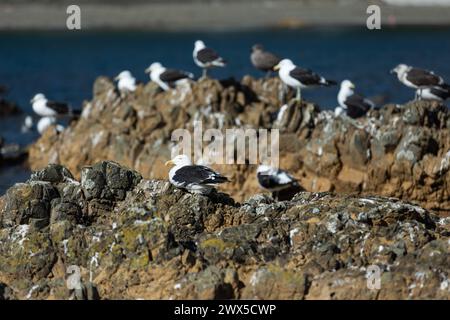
(7, 108)
(127, 238)
(400, 151)
(11, 153)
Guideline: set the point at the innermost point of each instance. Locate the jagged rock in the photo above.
(397, 151)
(157, 242)
(11, 153)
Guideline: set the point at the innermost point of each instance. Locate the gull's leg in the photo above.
(268, 73)
(299, 94)
(205, 73)
(284, 92)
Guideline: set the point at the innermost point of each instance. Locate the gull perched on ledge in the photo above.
(166, 78)
(206, 58)
(418, 79)
(354, 105)
(299, 78)
(126, 82)
(193, 178)
(263, 60)
(45, 108)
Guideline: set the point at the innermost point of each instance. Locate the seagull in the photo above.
(417, 78)
(206, 58)
(439, 93)
(274, 180)
(299, 78)
(193, 178)
(45, 108)
(164, 77)
(263, 60)
(354, 105)
(125, 82)
(46, 122)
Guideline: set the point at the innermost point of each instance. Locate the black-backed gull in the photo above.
(299, 78)
(45, 108)
(274, 179)
(354, 105)
(193, 178)
(166, 78)
(417, 78)
(206, 58)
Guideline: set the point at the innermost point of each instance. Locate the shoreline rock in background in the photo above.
(7, 108)
(11, 153)
(400, 151)
(134, 238)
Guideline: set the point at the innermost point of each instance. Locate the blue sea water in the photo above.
(64, 65)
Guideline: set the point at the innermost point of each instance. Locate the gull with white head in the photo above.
(299, 78)
(206, 58)
(164, 77)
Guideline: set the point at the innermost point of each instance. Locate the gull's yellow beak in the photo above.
(168, 163)
(352, 86)
(277, 67)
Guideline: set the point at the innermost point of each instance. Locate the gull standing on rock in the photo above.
(206, 58)
(193, 178)
(418, 79)
(166, 78)
(263, 60)
(126, 82)
(299, 78)
(352, 104)
(45, 108)
(274, 180)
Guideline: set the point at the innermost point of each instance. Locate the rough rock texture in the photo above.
(135, 238)
(11, 153)
(398, 151)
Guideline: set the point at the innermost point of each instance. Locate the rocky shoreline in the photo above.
(400, 151)
(133, 238)
(131, 235)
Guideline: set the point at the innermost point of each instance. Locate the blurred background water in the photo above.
(64, 65)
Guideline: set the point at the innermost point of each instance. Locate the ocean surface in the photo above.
(64, 65)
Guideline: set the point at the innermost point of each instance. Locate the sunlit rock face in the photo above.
(132, 238)
(398, 151)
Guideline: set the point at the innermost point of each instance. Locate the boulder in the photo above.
(133, 238)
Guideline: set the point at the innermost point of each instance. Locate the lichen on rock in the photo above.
(134, 238)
